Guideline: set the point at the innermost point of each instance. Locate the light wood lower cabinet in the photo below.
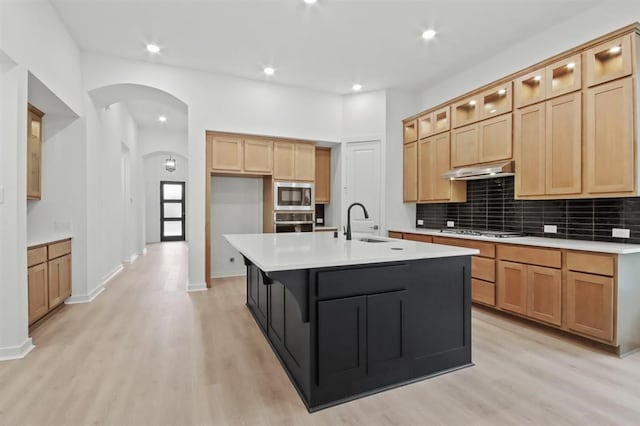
(590, 305)
(512, 287)
(544, 300)
(48, 278)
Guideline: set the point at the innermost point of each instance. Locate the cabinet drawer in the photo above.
(483, 292)
(419, 237)
(483, 268)
(59, 249)
(592, 263)
(530, 255)
(393, 234)
(486, 249)
(36, 256)
(360, 281)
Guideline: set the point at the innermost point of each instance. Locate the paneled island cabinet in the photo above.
(351, 318)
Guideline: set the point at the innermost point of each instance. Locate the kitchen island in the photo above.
(351, 318)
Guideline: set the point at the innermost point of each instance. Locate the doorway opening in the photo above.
(172, 211)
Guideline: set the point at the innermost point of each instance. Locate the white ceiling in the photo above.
(327, 46)
(146, 113)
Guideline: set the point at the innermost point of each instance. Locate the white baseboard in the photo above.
(111, 275)
(133, 257)
(144, 251)
(88, 298)
(16, 352)
(191, 287)
(229, 276)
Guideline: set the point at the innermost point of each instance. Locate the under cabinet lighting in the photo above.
(269, 71)
(153, 48)
(429, 34)
(357, 87)
(615, 49)
(537, 78)
(472, 103)
(502, 92)
(571, 65)
(162, 119)
(492, 111)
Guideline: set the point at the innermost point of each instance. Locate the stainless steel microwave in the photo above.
(293, 196)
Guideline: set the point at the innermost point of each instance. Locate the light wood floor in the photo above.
(147, 353)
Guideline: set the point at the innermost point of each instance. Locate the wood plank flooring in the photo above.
(147, 353)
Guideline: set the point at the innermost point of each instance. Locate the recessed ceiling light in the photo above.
(615, 49)
(153, 48)
(357, 87)
(429, 34)
(268, 71)
(162, 119)
(310, 1)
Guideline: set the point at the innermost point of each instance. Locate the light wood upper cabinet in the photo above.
(34, 153)
(37, 281)
(548, 147)
(609, 61)
(226, 153)
(433, 123)
(530, 88)
(496, 101)
(410, 173)
(563, 77)
(258, 156)
(284, 161)
(544, 300)
(466, 111)
(323, 175)
(464, 146)
(495, 139)
(610, 147)
(433, 161)
(589, 305)
(305, 162)
(410, 131)
(512, 287)
(564, 145)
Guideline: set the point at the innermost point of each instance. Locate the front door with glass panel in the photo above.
(172, 216)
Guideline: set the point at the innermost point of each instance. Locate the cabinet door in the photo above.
(496, 101)
(609, 61)
(38, 292)
(59, 280)
(411, 172)
(512, 287)
(283, 161)
(442, 122)
(305, 162)
(545, 294)
(589, 305)
(563, 76)
(609, 140)
(529, 145)
(386, 331)
(34, 156)
(466, 111)
(258, 156)
(426, 125)
(483, 292)
(530, 88)
(426, 164)
(441, 155)
(564, 145)
(226, 154)
(410, 131)
(342, 340)
(464, 146)
(496, 139)
(323, 175)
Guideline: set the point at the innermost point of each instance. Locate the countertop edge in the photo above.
(48, 239)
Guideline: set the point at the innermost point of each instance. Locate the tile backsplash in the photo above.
(490, 205)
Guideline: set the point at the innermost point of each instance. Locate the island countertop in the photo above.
(291, 251)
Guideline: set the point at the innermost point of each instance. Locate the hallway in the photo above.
(146, 352)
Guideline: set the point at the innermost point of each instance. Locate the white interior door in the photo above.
(363, 185)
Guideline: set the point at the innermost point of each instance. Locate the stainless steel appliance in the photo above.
(483, 233)
(293, 196)
(293, 222)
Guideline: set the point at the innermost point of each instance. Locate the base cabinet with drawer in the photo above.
(48, 277)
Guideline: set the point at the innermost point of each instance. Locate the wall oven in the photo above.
(293, 196)
(293, 222)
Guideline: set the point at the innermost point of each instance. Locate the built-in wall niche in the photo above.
(609, 61)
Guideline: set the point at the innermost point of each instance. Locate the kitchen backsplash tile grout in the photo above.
(491, 205)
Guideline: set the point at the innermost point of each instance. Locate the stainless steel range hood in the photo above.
(485, 171)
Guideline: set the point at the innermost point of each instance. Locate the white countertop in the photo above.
(290, 251)
(49, 238)
(595, 246)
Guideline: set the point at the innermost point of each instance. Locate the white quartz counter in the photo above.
(290, 251)
(595, 246)
(49, 238)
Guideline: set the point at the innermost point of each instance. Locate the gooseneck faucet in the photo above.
(366, 216)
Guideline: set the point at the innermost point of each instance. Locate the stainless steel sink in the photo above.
(372, 240)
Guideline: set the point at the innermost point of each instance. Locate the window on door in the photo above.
(172, 217)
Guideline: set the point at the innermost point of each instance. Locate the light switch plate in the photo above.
(620, 233)
(550, 229)
(420, 222)
(450, 223)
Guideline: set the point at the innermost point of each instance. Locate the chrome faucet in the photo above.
(366, 216)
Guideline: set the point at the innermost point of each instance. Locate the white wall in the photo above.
(236, 208)
(155, 172)
(156, 141)
(582, 27)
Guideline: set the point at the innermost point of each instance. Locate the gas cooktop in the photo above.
(482, 233)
